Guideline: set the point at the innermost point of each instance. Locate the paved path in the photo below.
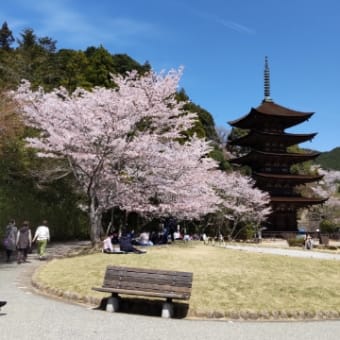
(30, 316)
(286, 252)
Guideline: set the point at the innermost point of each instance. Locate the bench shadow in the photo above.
(146, 307)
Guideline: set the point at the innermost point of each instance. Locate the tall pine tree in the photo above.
(6, 37)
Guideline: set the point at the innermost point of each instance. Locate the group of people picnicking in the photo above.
(124, 243)
(20, 240)
(128, 242)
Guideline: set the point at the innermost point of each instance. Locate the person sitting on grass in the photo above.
(125, 243)
(144, 239)
(107, 244)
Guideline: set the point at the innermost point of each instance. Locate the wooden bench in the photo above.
(146, 282)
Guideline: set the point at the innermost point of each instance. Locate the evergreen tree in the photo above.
(72, 67)
(100, 66)
(6, 37)
(35, 59)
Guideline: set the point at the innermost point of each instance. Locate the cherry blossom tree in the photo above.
(328, 188)
(241, 201)
(179, 178)
(123, 145)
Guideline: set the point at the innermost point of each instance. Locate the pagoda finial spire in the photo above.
(266, 81)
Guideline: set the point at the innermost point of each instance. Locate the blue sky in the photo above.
(221, 44)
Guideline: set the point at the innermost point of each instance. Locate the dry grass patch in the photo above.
(226, 282)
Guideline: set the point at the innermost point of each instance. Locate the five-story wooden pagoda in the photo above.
(270, 159)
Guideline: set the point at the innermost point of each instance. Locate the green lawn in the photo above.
(227, 283)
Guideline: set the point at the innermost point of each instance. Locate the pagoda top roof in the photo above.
(269, 109)
(269, 115)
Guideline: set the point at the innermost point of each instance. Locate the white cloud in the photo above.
(235, 26)
(82, 27)
(226, 23)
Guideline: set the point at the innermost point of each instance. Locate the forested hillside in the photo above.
(23, 194)
(329, 160)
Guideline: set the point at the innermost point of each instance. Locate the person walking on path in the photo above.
(24, 242)
(10, 239)
(42, 235)
(308, 242)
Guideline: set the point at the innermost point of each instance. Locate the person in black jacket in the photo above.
(125, 243)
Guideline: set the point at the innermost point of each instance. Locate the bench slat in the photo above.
(173, 281)
(145, 287)
(143, 293)
(183, 275)
(165, 276)
(145, 270)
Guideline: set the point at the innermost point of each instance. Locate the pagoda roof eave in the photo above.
(274, 110)
(287, 138)
(302, 201)
(288, 177)
(293, 154)
(255, 155)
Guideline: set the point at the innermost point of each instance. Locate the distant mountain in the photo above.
(329, 160)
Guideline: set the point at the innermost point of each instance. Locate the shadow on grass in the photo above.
(146, 307)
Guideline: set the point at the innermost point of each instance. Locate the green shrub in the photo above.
(295, 242)
(245, 232)
(332, 247)
(327, 226)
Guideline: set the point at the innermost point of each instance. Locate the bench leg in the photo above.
(168, 309)
(112, 304)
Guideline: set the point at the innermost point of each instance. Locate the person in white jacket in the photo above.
(42, 235)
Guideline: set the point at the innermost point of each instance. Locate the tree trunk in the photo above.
(232, 232)
(95, 215)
